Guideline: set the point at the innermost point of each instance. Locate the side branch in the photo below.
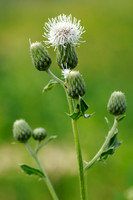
(96, 158)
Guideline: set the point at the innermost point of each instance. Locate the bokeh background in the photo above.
(106, 62)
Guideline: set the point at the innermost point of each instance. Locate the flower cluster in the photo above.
(63, 33)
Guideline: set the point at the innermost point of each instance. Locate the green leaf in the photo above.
(75, 115)
(83, 106)
(32, 171)
(121, 118)
(111, 147)
(105, 154)
(49, 86)
(114, 142)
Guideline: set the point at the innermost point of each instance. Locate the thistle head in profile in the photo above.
(63, 30)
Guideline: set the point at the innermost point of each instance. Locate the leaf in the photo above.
(121, 118)
(31, 171)
(75, 116)
(105, 154)
(80, 110)
(114, 142)
(111, 147)
(83, 106)
(87, 116)
(49, 86)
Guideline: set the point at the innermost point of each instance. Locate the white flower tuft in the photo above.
(63, 30)
(65, 72)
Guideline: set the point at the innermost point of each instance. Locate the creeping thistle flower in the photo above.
(63, 33)
(21, 130)
(75, 84)
(117, 103)
(63, 30)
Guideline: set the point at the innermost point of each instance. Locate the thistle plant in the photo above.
(63, 33)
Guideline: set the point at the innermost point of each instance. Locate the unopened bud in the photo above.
(21, 130)
(117, 103)
(39, 134)
(67, 57)
(41, 58)
(75, 84)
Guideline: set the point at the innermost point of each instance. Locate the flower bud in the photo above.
(67, 57)
(21, 130)
(39, 134)
(41, 58)
(117, 103)
(75, 84)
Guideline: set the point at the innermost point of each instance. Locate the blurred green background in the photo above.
(106, 62)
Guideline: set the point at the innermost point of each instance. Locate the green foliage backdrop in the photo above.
(106, 62)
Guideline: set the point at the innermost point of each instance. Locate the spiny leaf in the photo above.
(105, 154)
(121, 118)
(87, 116)
(114, 142)
(83, 106)
(111, 147)
(32, 171)
(75, 115)
(49, 86)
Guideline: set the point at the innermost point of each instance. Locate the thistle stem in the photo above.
(79, 158)
(77, 141)
(47, 181)
(109, 136)
(54, 77)
(37, 146)
(43, 144)
(78, 151)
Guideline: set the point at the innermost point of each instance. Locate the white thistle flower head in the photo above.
(63, 30)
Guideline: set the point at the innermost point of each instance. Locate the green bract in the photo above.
(39, 134)
(117, 103)
(67, 57)
(21, 130)
(41, 58)
(75, 84)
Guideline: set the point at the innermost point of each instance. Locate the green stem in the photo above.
(80, 161)
(54, 77)
(37, 146)
(78, 151)
(47, 181)
(77, 141)
(43, 144)
(109, 136)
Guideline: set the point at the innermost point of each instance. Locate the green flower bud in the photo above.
(39, 134)
(41, 58)
(117, 103)
(75, 84)
(21, 130)
(67, 57)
